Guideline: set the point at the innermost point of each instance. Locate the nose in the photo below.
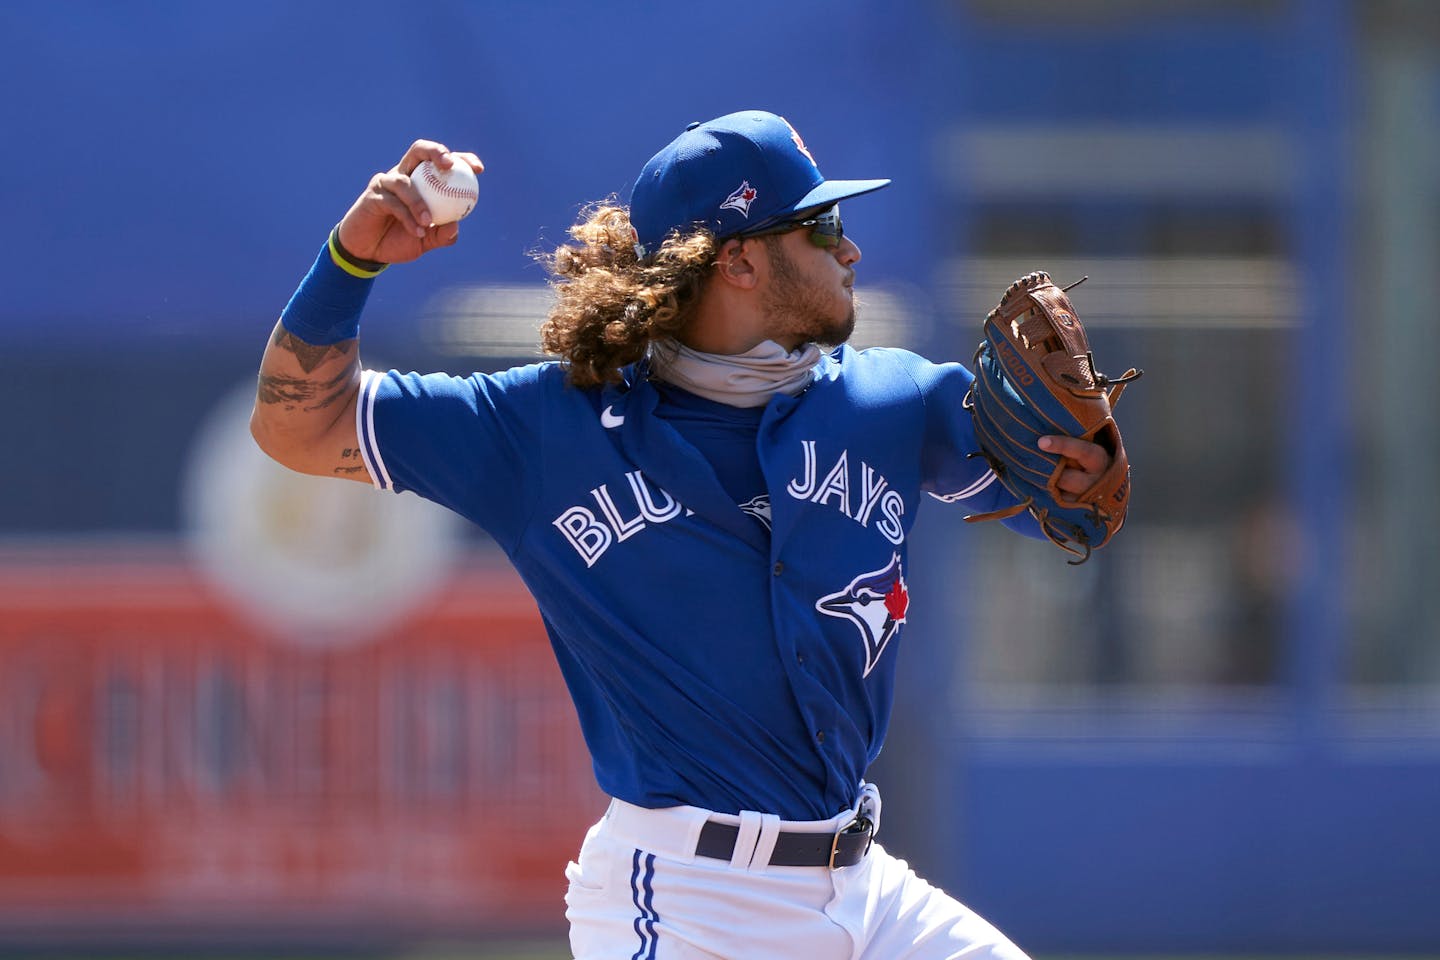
(848, 253)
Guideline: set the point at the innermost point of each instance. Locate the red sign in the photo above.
(162, 760)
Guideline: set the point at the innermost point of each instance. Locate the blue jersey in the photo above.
(727, 655)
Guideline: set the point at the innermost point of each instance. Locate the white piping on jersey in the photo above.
(365, 431)
(969, 491)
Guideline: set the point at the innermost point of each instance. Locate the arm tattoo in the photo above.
(287, 390)
(293, 391)
(328, 400)
(308, 355)
(338, 385)
(350, 453)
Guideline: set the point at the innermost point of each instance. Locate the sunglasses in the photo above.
(826, 230)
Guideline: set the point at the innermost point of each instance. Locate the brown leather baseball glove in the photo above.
(1035, 376)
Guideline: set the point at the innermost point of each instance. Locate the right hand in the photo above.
(1090, 462)
(387, 222)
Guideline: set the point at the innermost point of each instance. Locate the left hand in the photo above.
(1090, 461)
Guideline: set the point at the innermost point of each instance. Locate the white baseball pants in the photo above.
(639, 892)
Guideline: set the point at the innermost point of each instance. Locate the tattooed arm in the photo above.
(304, 413)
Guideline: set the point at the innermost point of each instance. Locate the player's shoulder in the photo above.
(544, 373)
(877, 362)
(527, 382)
(482, 388)
(895, 367)
(874, 357)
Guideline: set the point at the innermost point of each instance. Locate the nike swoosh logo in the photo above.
(608, 420)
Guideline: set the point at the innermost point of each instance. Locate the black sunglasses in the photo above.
(826, 230)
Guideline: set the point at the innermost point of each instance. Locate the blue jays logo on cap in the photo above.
(741, 199)
(740, 172)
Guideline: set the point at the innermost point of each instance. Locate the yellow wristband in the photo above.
(351, 264)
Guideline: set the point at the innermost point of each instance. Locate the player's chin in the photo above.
(840, 331)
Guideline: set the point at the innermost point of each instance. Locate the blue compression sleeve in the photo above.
(326, 307)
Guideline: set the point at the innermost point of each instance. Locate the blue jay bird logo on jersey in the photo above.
(876, 603)
(759, 508)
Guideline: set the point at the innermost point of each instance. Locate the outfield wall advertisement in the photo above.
(165, 762)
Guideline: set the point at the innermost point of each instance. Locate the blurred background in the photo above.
(1221, 735)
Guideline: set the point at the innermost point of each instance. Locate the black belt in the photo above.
(843, 848)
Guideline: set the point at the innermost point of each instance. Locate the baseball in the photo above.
(449, 195)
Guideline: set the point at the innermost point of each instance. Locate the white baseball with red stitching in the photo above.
(449, 195)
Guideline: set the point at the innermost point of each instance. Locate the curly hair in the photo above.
(609, 304)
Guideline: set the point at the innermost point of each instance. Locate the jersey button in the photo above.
(799, 658)
(819, 736)
(779, 568)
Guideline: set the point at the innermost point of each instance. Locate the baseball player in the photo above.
(711, 511)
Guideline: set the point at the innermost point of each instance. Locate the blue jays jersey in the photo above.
(731, 656)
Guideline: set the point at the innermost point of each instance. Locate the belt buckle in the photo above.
(860, 824)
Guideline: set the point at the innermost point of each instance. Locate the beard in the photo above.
(797, 307)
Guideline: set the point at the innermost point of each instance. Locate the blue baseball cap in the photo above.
(735, 174)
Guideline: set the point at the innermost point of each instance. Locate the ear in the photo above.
(738, 263)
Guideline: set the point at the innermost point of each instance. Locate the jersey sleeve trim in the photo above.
(969, 491)
(365, 430)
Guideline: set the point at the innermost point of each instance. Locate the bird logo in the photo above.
(876, 603)
(740, 199)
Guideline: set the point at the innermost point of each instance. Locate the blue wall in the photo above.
(173, 165)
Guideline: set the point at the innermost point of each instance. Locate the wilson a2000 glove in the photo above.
(1035, 376)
